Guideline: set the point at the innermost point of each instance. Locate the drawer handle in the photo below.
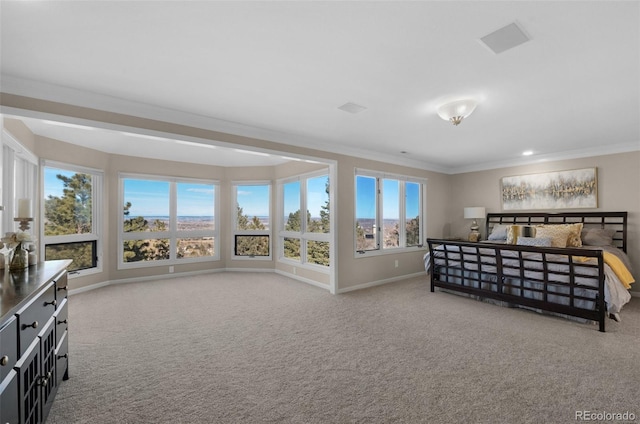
(53, 303)
(4, 360)
(33, 325)
(65, 356)
(43, 381)
(62, 322)
(62, 288)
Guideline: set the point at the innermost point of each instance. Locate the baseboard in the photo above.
(256, 270)
(380, 282)
(141, 279)
(302, 279)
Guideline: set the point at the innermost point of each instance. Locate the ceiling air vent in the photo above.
(505, 38)
(352, 108)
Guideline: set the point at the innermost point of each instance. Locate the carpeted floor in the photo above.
(261, 348)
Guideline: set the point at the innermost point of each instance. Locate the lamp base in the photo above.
(474, 236)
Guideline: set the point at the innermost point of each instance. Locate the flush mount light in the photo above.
(527, 153)
(457, 111)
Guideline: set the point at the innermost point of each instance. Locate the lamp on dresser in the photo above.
(475, 213)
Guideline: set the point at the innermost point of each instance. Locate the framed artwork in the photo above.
(577, 188)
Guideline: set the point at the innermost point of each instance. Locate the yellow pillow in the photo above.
(559, 234)
(516, 231)
(573, 240)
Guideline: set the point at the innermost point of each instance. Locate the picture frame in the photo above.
(571, 189)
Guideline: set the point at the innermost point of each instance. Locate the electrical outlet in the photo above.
(171, 269)
(396, 263)
(294, 270)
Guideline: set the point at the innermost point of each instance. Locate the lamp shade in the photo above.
(456, 111)
(474, 212)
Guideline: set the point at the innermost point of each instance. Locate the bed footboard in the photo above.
(565, 281)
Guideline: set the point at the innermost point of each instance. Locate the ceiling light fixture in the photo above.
(457, 111)
(527, 153)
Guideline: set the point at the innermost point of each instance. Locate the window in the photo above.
(19, 181)
(167, 221)
(305, 240)
(389, 212)
(72, 197)
(252, 220)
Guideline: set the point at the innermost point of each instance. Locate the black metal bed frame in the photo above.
(557, 280)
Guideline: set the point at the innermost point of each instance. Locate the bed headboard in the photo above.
(614, 220)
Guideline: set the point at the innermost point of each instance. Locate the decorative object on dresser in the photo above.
(475, 213)
(33, 341)
(588, 279)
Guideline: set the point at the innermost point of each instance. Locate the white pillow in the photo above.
(498, 232)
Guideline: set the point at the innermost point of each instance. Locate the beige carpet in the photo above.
(261, 348)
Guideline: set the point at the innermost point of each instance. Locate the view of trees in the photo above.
(317, 251)
(143, 250)
(249, 245)
(71, 214)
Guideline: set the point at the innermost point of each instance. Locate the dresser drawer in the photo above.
(62, 360)
(61, 315)
(8, 347)
(34, 315)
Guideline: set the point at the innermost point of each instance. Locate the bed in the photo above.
(573, 264)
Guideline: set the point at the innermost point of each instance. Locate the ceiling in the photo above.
(280, 71)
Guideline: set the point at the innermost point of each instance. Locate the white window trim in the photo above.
(97, 186)
(234, 223)
(304, 235)
(380, 251)
(171, 234)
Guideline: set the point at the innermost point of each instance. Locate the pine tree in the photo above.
(71, 214)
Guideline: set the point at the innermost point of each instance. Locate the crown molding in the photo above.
(566, 155)
(67, 95)
(71, 96)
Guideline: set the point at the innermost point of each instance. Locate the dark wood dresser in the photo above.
(33, 341)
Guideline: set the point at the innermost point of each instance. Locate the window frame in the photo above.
(379, 218)
(97, 188)
(172, 234)
(304, 236)
(234, 222)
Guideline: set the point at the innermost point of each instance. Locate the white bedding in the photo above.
(616, 295)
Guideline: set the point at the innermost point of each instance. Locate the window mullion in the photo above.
(379, 215)
(402, 218)
(173, 220)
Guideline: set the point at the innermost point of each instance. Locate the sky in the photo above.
(151, 198)
(366, 198)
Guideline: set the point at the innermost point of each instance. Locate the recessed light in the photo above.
(527, 153)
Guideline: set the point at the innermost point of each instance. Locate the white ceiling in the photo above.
(280, 70)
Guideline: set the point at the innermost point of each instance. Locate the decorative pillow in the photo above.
(574, 239)
(516, 231)
(498, 232)
(597, 236)
(559, 234)
(534, 241)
